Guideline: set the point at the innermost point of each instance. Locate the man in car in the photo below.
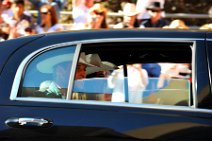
(81, 74)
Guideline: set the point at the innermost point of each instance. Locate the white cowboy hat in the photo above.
(99, 65)
(93, 59)
(83, 60)
(129, 9)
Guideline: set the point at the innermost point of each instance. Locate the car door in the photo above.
(42, 107)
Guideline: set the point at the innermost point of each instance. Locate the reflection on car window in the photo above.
(47, 75)
(135, 81)
(172, 87)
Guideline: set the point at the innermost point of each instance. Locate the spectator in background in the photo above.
(6, 10)
(36, 4)
(80, 13)
(154, 9)
(129, 17)
(97, 17)
(177, 24)
(49, 20)
(206, 27)
(141, 8)
(4, 27)
(19, 21)
(57, 4)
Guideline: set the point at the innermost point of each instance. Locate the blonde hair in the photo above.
(206, 27)
(98, 7)
(177, 24)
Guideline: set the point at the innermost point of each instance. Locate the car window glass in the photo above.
(138, 73)
(47, 75)
(120, 72)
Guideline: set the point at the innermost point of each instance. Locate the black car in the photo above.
(140, 85)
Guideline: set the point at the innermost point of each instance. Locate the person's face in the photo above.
(18, 9)
(154, 13)
(80, 72)
(98, 14)
(129, 20)
(97, 18)
(89, 3)
(45, 14)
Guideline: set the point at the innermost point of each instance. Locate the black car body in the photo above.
(23, 66)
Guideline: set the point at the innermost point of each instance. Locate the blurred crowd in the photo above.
(17, 21)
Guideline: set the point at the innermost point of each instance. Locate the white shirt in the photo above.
(135, 83)
(80, 16)
(54, 28)
(6, 15)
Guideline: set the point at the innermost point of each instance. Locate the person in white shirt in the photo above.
(20, 19)
(80, 13)
(137, 80)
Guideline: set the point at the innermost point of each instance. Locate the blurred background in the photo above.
(177, 9)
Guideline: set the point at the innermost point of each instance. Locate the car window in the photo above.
(137, 73)
(119, 72)
(47, 74)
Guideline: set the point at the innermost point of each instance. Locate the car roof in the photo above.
(123, 33)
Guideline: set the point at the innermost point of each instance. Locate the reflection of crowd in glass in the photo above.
(16, 21)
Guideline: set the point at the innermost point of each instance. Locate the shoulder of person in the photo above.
(39, 29)
(57, 27)
(119, 25)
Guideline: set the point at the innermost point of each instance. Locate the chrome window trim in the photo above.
(17, 79)
(194, 84)
(115, 104)
(207, 39)
(208, 65)
(72, 73)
